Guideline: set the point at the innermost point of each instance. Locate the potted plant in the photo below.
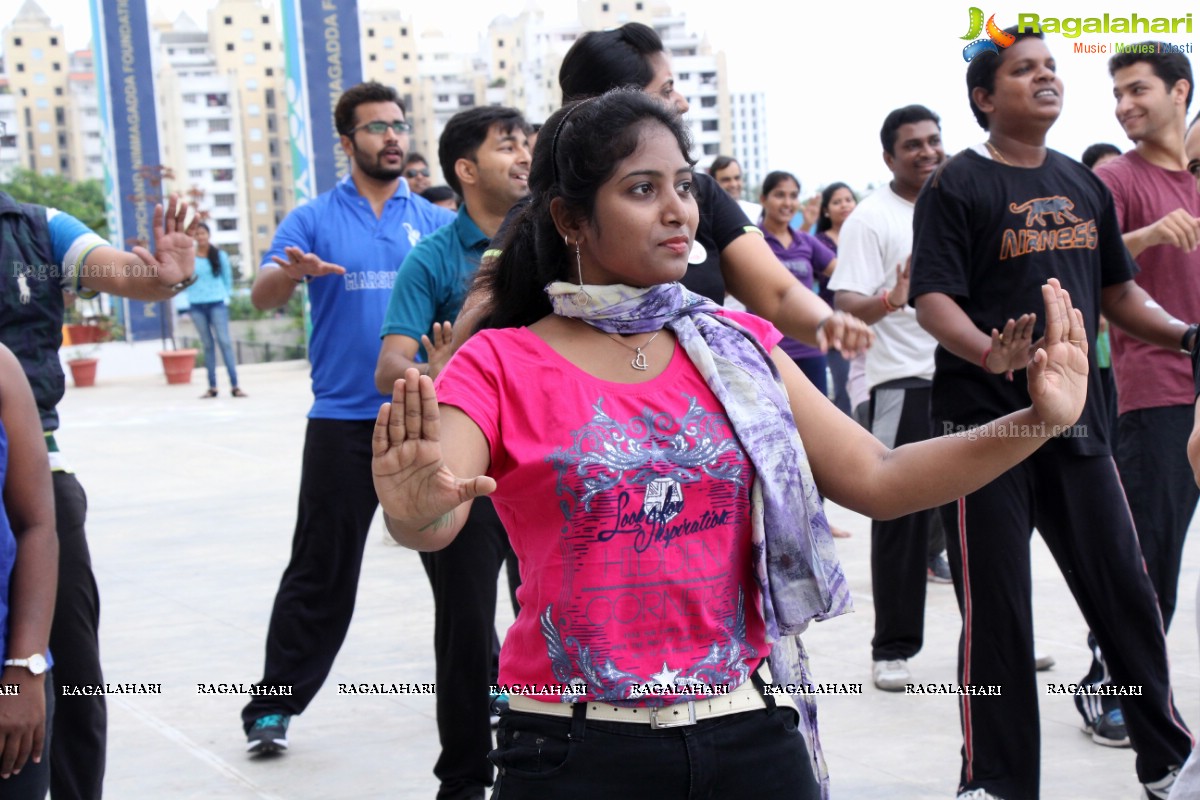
(177, 364)
(82, 361)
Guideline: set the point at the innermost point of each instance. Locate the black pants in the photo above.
(77, 751)
(755, 754)
(34, 779)
(463, 577)
(1077, 504)
(1158, 480)
(900, 548)
(316, 595)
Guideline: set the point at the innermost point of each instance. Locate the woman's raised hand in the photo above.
(1058, 373)
(414, 485)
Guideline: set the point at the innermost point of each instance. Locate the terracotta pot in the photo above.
(178, 365)
(83, 371)
(85, 334)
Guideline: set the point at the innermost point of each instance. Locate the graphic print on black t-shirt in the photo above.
(1064, 231)
(652, 595)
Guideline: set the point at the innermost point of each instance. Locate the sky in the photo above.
(832, 71)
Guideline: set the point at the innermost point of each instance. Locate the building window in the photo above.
(639, 6)
(53, 41)
(58, 92)
(708, 125)
(708, 102)
(370, 33)
(499, 43)
(502, 66)
(227, 224)
(41, 102)
(404, 56)
(371, 57)
(193, 148)
(266, 45)
(256, 134)
(266, 20)
(220, 150)
(195, 173)
(711, 149)
(262, 230)
(46, 150)
(60, 116)
(389, 66)
(270, 97)
(253, 109)
(62, 139)
(224, 200)
(36, 54)
(218, 126)
(43, 127)
(225, 174)
(189, 98)
(16, 41)
(407, 81)
(388, 43)
(252, 85)
(260, 207)
(229, 46)
(404, 31)
(604, 7)
(259, 183)
(20, 67)
(249, 58)
(256, 159)
(56, 66)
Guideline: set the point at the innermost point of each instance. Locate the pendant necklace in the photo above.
(639, 359)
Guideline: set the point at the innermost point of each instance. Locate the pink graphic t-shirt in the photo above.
(628, 507)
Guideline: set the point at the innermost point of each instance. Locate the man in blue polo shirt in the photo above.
(346, 245)
(484, 154)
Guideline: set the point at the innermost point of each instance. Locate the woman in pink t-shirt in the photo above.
(649, 455)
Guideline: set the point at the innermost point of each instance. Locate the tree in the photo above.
(83, 200)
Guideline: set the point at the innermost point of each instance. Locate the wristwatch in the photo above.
(36, 663)
(176, 288)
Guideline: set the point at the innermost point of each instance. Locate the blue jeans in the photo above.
(212, 319)
(753, 754)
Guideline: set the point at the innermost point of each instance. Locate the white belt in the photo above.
(746, 697)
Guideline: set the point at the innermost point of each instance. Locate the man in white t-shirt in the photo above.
(728, 173)
(871, 282)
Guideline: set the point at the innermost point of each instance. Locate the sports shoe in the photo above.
(1109, 729)
(1042, 661)
(891, 676)
(268, 734)
(978, 794)
(1161, 788)
(938, 569)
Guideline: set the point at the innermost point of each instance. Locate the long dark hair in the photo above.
(589, 139)
(824, 223)
(602, 60)
(214, 255)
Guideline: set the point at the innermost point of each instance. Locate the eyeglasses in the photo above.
(379, 128)
(412, 173)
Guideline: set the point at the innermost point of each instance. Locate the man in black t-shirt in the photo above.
(990, 227)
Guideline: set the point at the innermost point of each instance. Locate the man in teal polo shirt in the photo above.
(484, 155)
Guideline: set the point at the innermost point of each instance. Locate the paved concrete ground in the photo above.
(191, 511)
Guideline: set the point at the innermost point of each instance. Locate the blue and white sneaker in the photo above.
(1109, 729)
(268, 734)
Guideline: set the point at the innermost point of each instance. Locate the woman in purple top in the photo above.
(801, 253)
(837, 201)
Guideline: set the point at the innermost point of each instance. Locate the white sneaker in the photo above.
(1161, 788)
(978, 794)
(891, 676)
(1042, 661)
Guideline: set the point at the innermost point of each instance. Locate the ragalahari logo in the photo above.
(997, 38)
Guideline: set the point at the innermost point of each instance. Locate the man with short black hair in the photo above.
(871, 282)
(728, 174)
(991, 226)
(1159, 212)
(484, 155)
(346, 245)
(416, 172)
